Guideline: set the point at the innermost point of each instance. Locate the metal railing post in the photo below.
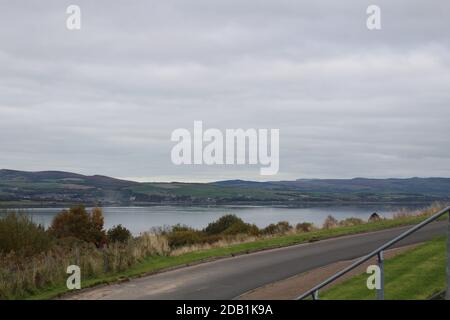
(316, 295)
(380, 292)
(447, 292)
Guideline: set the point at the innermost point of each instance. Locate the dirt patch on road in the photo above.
(292, 287)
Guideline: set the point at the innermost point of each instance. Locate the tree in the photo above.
(97, 221)
(78, 223)
(97, 218)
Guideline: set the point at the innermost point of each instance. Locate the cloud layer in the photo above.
(348, 101)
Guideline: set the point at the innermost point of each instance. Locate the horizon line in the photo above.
(205, 181)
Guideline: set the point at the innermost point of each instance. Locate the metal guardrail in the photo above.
(314, 292)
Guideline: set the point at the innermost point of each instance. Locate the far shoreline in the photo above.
(271, 204)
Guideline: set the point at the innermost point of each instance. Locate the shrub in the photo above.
(118, 234)
(181, 236)
(184, 238)
(279, 228)
(180, 227)
(304, 227)
(330, 223)
(20, 234)
(222, 224)
(242, 228)
(270, 229)
(283, 226)
(78, 223)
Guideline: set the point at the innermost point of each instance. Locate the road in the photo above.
(230, 277)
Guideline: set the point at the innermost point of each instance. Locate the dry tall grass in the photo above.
(21, 275)
(422, 212)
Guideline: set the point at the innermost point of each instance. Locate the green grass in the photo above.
(415, 274)
(158, 263)
(199, 190)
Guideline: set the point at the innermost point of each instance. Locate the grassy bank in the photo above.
(156, 263)
(416, 274)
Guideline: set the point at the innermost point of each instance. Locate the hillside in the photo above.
(56, 188)
(419, 186)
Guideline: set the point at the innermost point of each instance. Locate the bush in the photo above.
(182, 238)
(351, 222)
(279, 228)
(330, 223)
(20, 234)
(118, 234)
(283, 226)
(180, 227)
(242, 228)
(226, 226)
(222, 224)
(304, 227)
(78, 223)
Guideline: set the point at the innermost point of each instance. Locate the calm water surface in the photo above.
(140, 219)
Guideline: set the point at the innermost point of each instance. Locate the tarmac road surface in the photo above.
(230, 277)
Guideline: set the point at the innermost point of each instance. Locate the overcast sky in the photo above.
(349, 102)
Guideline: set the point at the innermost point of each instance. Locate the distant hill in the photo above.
(424, 186)
(62, 177)
(57, 188)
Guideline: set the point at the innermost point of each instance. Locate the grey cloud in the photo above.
(105, 99)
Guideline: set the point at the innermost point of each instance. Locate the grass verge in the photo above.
(415, 274)
(154, 264)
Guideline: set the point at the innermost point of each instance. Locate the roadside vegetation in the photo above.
(33, 260)
(416, 274)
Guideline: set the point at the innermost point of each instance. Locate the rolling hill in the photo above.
(56, 188)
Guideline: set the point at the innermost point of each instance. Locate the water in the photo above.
(140, 219)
